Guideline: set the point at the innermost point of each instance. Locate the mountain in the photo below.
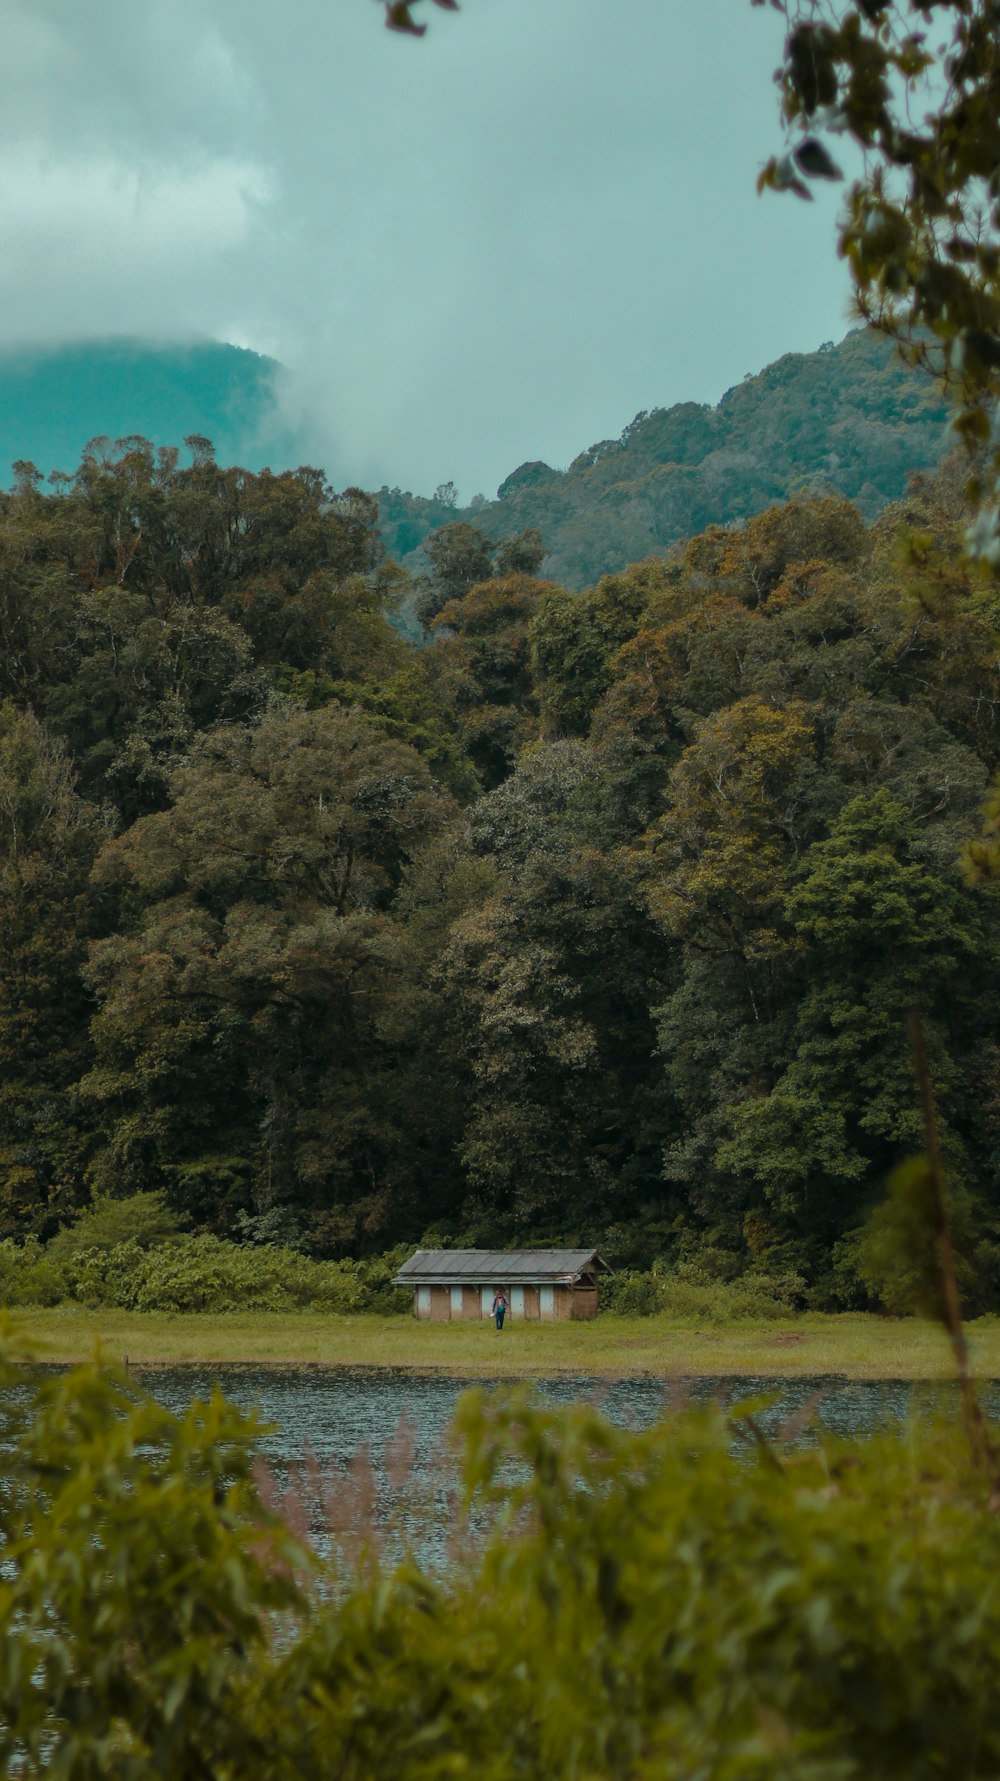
(850, 418)
(52, 402)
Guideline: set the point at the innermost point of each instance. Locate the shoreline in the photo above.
(853, 1346)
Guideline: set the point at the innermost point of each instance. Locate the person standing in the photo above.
(499, 1307)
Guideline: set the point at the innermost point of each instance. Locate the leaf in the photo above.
(398, 18)
(783, 178)
(815, 161)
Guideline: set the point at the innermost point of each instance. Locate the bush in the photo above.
(29, 1274)
(634, 1293)
(143, 1218)
(824, 1614)
(755, 1296)
(189, 1273)
(202, 1273)
(205, 1273)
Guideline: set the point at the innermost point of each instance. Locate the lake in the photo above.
(335, 1411)
(324, 1417)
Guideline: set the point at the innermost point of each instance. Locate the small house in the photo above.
(453, 1285)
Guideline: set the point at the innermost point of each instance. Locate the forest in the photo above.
(587, 916)
(848, 419)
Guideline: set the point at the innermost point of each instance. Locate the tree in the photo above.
(917, 88)
(573, 638)
(523, 553)
(460, 556)
(239, 1060)
(48, 839)
(884, 933)
(481, 662)
(547, 986)
(915, 84)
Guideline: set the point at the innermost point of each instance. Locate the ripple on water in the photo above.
(336, 1411)
(327, 1416)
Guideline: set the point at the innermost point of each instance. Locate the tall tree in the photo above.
(48, 839)
(238, 1051)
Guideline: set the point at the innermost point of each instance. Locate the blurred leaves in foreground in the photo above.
(683, 1600)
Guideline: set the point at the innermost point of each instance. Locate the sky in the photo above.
(493, 244)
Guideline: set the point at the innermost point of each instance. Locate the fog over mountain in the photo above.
(53, 403)
(487, 246)
(848, 417)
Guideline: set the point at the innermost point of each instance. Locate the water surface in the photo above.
(334, 1412)
(322, 1419)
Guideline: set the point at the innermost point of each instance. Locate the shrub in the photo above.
(823, 1614)
(724, 1301)
(634, 1293)
(141, 1578)
(143, 1218)
(205, 1273)
(190, 1273)
(201, 1273)
(29, 1274)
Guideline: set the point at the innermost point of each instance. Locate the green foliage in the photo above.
(30, 1275)
(141, 1583)
(144, 1219)
(696, 1290)
(852, 420)
(921, 228)
(462, 557)
(595, 910)
(201, 1273)
(749, 1610)
(634, 1292)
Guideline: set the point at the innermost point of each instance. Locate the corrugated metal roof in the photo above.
(496, 1265)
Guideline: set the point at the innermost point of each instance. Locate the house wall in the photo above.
(446, 1304)
(471, 1304)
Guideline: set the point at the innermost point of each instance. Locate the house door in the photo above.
(517, 1301)
(486, 1301)
(546, 1301)
(423, 1301)
(456, 1301)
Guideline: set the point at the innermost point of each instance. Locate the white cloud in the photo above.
(100, 247)
(494, 244)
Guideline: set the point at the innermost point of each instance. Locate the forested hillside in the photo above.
(52, 401)
(849, 418)
(597, 916)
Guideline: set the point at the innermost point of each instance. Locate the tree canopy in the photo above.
(917, 88)
(591, 914)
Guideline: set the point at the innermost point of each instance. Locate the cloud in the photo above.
(491, 245)
(113, 245)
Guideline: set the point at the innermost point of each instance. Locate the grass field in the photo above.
(857, 1347)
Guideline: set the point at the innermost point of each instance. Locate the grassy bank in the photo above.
(856, 1346)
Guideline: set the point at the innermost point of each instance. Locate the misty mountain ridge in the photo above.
(53, 401)
(849, 417)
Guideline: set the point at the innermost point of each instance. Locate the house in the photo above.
(452, 1285)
